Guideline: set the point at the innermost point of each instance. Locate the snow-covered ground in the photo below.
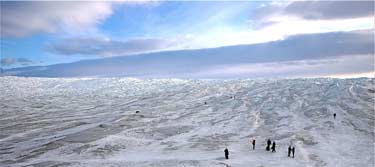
(93, 122)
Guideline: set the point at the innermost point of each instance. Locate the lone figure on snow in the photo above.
(273, 148)
(268, 145)
(226, 152)
(293, 151)
(334, 115)
(253, 142)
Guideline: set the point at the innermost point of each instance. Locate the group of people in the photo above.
(290, 151)
(271, 146)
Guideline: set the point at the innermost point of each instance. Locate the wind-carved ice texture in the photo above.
(94, 122)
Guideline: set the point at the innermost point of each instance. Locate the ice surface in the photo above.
(93, 122)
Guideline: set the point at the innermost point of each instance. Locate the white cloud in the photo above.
(285, 26)
(107, 47)
(340, 67)
(278, 20)
(8, 61)
(282, 28)
(308, 55)
(288, 18)
(25, 18)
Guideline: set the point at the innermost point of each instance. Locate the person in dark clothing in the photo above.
(273, 148)
(205, 102)
(293, 152)
(268, 142)
(226, 153)
(289, 150)
(334, 115)
(253, 142)
(268, 145)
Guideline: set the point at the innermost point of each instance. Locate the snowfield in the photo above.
(94, 122)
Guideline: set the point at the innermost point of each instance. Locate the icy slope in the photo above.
(93, 122)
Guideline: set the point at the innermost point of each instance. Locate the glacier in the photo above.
(118, 121)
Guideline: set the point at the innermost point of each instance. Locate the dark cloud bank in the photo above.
(186, 63)
(9, 61)
(105, 47)
(319, 10)
(313, 10)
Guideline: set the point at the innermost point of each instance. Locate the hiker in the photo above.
(293, 152)
(268, 145)
(205, 102)
(253, 142)
(273, 146)
(226, 153)
(289, 150)
(334, 115)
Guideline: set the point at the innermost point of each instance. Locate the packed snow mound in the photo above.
(169, 122)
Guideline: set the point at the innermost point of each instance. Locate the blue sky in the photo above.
(164, 20)
(45, 33)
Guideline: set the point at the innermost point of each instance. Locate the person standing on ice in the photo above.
(273, 148)
(293, 152)
(226, 152)
(334, 115)
(289, 150)
(268, 145)
(253, 143)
